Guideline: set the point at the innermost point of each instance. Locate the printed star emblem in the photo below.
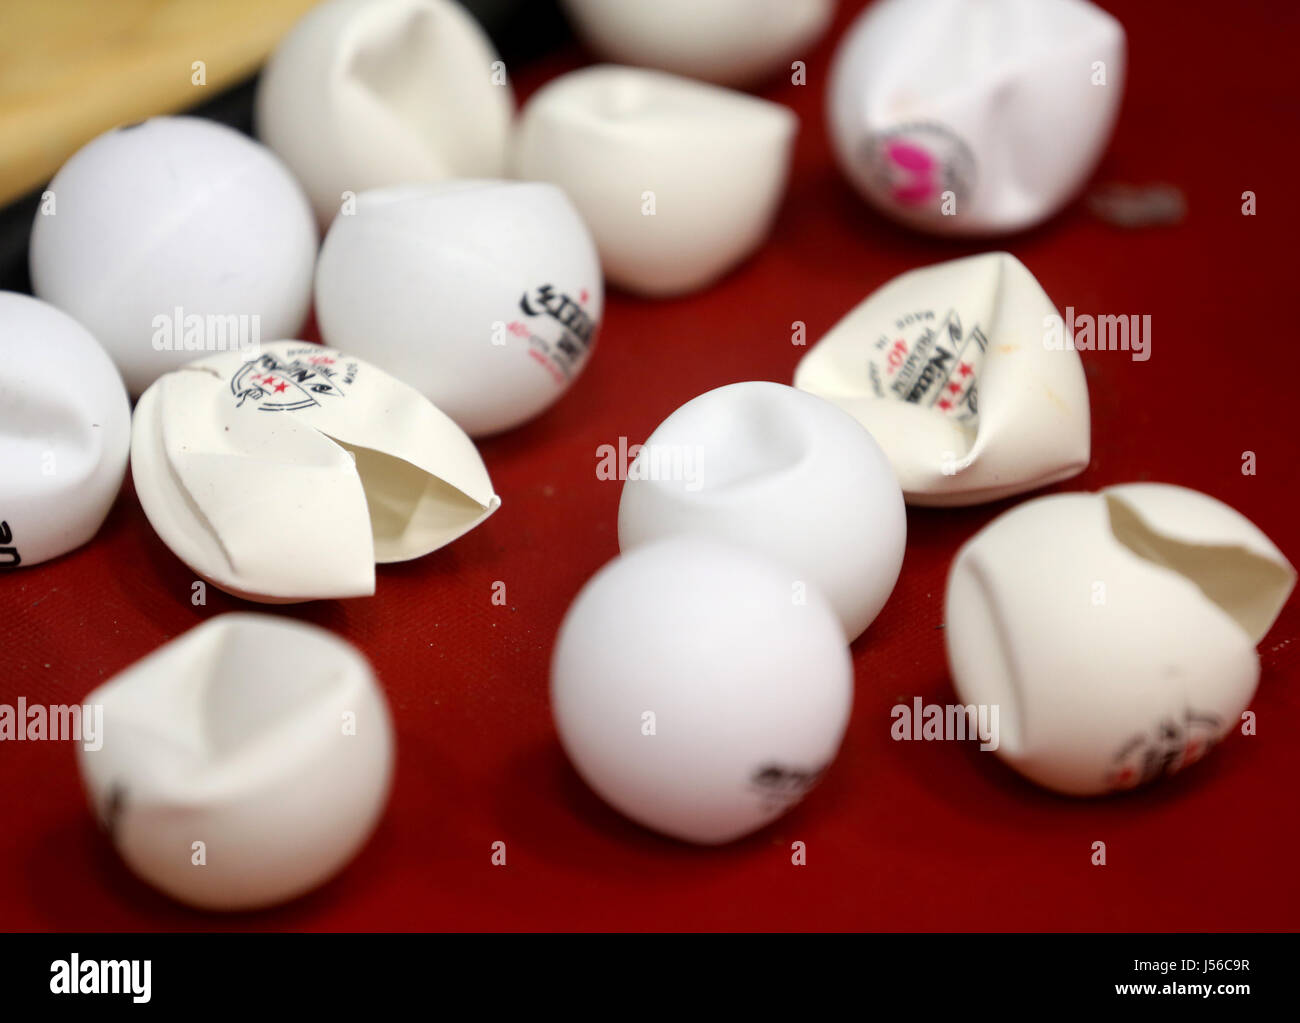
(945, 404)
(965, 370)
(955, 388)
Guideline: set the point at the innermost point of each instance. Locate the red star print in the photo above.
(268, 380)
(945, 404)
(281, 387)
(965, 370)
(955, 388)
(582, 297)
(321, 360)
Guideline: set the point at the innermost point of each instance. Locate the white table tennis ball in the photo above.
(974, 116)
(693, 694)
(65, 428)
(266, 740)
(679, 181)
(366, 93)
(731, 42)
(287, 477)
(963, 373)
(782, 473)
(485, 296)
(1115, 632)
(172, 237)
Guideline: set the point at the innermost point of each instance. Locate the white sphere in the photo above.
(679, 181)
(267, 740)
(974, 116)
(731, 42)
(782, 473)
(748, 691)
(172, 222)
(1114, 632)
(366, 93)
(484, 295)
(67, 429)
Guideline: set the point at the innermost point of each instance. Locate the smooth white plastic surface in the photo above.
(65, 428)
(367, 93)
(266, 740)
(485, 296)
(175, 218)
(679, 181)
(784, 474)
(951, 369)
(1115, 631)
(730, 42)
(974, 116)
(693, 694)
(288, 477)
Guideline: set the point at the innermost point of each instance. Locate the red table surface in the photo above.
(901, 835)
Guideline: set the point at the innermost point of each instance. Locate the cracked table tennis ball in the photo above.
(679, 181)
(65, 427)
(974, 116)
(693, 694)
(243, 763)
(485, 296)
(172, 237)
(1115, 632)
(287, 477)
(780, 472)
(366, 93)
(965, 375)
(730, 42)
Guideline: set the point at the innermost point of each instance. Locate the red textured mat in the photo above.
(901, 835)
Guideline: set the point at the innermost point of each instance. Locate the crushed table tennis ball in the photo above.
(693, 694)
(286, 477)
(173, 237)
(366, 93)
(65, 428)
(1115, 632)
(730, 42)
(679, 181)
(506, 274)
(974, 116)
(965, 375)
(780, 472)
(243, 763)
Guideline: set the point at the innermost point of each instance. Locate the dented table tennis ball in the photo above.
(242, 764)
(693, 694)
(1114, 631)
(173, 237)
(65, 426)
(731, 42)
(974, 116)
(963, 373)
(285, 477)
(784, 474)
(507, 274)
(366, 93)
(678, 180)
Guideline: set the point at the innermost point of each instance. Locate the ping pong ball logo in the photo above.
(916, 164)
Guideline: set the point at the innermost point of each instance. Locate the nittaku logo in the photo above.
(132, 977)
(272, 385)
